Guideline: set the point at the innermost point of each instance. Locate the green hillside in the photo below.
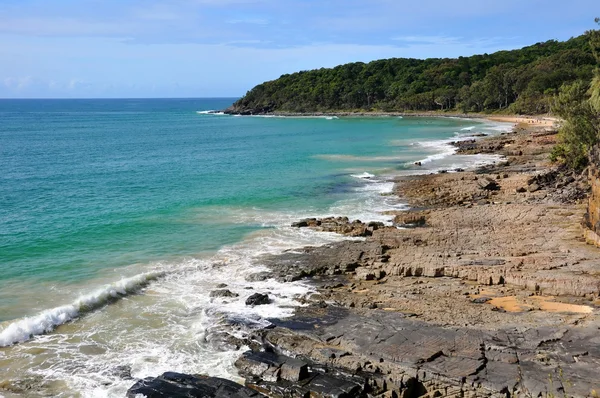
(518, 81)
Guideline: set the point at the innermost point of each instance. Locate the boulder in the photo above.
(533, 187)
(258, 299)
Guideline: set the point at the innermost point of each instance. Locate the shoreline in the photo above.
(530, 120)
(484, 312)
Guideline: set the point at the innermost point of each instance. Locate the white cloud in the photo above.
(19, 83)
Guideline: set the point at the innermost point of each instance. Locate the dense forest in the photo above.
(523, 81)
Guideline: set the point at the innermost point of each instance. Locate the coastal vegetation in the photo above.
(578, 105)
(523, 81)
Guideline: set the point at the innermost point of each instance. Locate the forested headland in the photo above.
(523, 81)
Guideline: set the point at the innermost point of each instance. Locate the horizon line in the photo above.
(108, 98)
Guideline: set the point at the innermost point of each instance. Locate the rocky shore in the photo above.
(486, 288)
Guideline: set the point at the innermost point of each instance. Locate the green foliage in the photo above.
(578, 104)
(580, 126)
(518, 81)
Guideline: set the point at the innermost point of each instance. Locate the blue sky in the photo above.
(204, 48)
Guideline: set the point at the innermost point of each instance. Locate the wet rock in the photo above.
(223, 293)
(258, 277)
(122, 372)
(258, 299)
(176, 385)
(333, 259)
(272, 367)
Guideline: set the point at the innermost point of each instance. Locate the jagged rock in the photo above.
(258, 299)
(223, 293)
(340, 225)
(283, 376)
(333, 259)
(176, 385)
(272, 366)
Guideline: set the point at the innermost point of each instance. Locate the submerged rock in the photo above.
(223, 293)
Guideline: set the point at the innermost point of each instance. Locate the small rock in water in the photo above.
(223, 293)
(258, 299)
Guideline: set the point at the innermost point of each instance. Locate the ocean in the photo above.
(118, 217)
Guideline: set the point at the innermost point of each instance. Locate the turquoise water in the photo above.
(92, 191)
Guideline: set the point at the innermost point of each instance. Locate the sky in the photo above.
(222, 48)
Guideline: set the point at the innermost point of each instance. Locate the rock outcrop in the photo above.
(176, 385)
(592, 215)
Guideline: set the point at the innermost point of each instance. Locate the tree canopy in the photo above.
(578, 105)
(519, 81)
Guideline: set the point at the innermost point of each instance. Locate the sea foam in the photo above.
(46, 321)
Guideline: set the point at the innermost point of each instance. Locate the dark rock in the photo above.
(490, 186)
(333, 259)
(176, 385)
(221, 285)
(272, 367)
(122, 372)
(418, 163)
(258, 299)
(521, 190)
(223, 293)
(300, 224)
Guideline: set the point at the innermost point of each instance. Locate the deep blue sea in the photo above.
(117, 218)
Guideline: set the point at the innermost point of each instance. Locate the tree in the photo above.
(578, 104)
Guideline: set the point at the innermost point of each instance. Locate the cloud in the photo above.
(19, 83)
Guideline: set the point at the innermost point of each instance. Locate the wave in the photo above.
(468, 128)
(210, 112)
(363, 176)
(46, 321)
